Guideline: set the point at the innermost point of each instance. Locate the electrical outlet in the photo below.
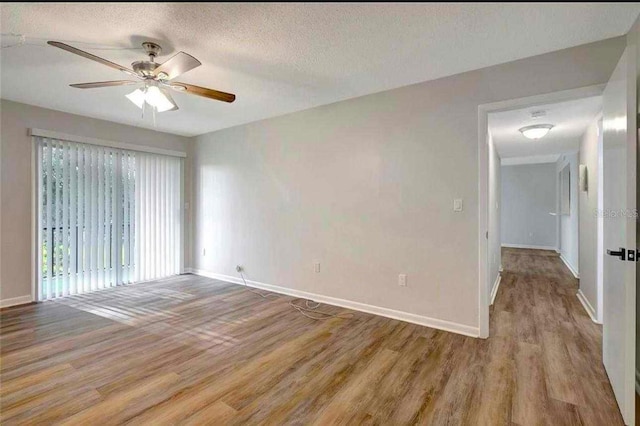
(402, 280)
(316, 267)
(239, 268)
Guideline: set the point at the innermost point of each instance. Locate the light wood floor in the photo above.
(193, 350)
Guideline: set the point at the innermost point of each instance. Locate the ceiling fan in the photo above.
(154, 79)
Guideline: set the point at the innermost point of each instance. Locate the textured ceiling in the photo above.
(278, 58)
(570, 120)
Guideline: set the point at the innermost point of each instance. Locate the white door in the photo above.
(619, 150)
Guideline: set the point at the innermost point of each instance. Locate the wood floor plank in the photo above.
(24, 382)
(530, 399)
(119, 407)
(346, 403)
(495, 402)
(217, 413)
(560, 375)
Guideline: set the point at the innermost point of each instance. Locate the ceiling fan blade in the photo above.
(203, 91)
(178, 64)
(88, 55)
(103, 84)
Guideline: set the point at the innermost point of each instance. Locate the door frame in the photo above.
(484, 211)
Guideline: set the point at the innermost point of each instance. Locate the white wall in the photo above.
(588, 224)
(528, 196)
(495, 203)
(569, 232)
(366, 186)
(16, 172)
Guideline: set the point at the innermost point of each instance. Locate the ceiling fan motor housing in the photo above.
(147, 68)
(144, 68)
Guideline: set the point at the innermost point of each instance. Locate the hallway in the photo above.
(546, 345)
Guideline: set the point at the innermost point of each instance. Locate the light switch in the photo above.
(457, 205)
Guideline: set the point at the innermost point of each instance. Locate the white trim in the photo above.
(36, 219)
(14, 301)
(569, 266)
(182, 224)
(529, 246)
(103, 142)
(356, 306)
(587, 306)
(496, 286)
(600, 225)
(484, 261)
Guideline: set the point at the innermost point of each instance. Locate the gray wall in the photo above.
(366, 186)
(528, 196)
(569, 237)
(16, 240)
(588, 223)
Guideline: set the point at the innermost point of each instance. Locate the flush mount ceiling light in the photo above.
(536, 131)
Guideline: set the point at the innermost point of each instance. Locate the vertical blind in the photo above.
(106, 217)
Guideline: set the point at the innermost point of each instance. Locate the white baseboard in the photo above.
(14, 301)
(494, 290)
(571, 268)
(356, 306)
(587, 306)
(528, 246)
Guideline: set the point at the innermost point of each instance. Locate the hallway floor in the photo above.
(192, 350)
(549, 349)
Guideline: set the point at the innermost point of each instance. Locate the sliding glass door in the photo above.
(106, 217)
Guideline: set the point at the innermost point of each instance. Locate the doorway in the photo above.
(583, 182)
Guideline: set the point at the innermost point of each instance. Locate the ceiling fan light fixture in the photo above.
(153, 96)
(536, 131)
(157, 99)
(137, 97)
